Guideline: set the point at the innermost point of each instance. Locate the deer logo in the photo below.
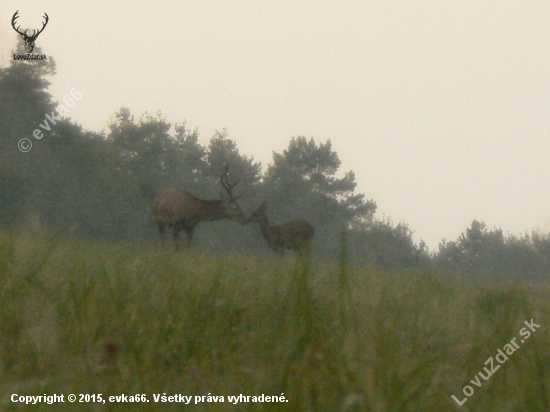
(180, 210)
(295, 235)
(29, 40)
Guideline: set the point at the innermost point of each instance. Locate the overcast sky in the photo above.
(440, 108)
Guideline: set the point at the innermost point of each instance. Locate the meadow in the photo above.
(82, 317)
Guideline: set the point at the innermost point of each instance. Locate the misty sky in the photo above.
(440, 108)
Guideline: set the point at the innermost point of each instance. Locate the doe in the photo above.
(295, 235)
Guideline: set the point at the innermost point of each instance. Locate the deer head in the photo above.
(29, 40)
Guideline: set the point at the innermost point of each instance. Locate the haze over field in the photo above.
(441, 109)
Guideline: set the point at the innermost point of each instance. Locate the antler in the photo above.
(225, 183)
(15, 16)
(43, 25)
(35, 32)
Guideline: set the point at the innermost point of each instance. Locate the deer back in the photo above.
(173, 206)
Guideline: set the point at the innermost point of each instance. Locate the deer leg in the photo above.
(189, 231)
(162, 230)
(175, 236)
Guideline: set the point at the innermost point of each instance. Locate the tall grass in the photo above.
(78, 317)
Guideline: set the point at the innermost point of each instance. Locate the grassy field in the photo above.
(83, 318)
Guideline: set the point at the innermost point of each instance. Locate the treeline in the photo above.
(102, 185)
(480, 253)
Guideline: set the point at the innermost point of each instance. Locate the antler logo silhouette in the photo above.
(29, 40)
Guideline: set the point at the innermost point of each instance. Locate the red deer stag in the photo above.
(296, 235)
(180, 210)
